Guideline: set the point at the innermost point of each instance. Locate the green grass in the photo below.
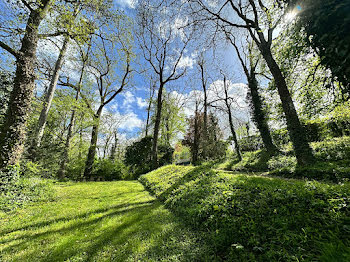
(255, 218)
(98, 221)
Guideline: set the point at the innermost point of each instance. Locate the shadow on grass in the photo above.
(141, 231)
(199, 171)
(66, 219)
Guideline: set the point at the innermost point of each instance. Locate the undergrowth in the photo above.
(252, 218)
(17, 190)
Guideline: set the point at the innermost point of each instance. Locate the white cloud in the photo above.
(129, 98)
(142, 103)
(127, 3)
(131, 122)
(186, 62)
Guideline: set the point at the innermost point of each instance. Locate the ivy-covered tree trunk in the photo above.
(196, 138)
(12, 132)
(205, 120)
(93, 144)
(157, 126)
(258, 113)
(48, 99)
(296, 131)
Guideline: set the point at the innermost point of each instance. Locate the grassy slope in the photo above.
(107, 221)
(254, 218)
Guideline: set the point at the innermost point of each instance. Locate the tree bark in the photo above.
(232, 128)
(205, 120)
(297, 132)
(156, 126)
(258, 113)
(114, 147)
(12, 132)
(196, 138)
(48, 100)
(93, 144)
(148, 116)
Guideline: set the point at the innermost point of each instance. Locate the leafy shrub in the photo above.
(109, 170)
(332, 149)
(138, 156)
(30, 169)
(251, 143)
(253, 161)
(75, 169)
(282, 162)
(250, 218)
(16, 191)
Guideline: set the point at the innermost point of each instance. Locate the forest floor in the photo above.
(97, 221)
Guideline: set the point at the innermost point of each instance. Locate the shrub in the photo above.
(107, 169)
(30, 169)
(250, 218)
(16, 191)
(138, 156)
(332, 149)
(251, 143)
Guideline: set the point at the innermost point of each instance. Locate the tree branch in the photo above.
(9, 49)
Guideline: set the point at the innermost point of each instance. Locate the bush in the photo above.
(16, 191)
(332, 149)
(252, 161)
(250, 218)
(138, 156)
(109, 170)
(251, 143)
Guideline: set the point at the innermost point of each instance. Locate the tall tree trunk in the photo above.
(230, 120)
(63, 165)
(205, 120)
(12, 132)
(93, 144)
(296, 131)
(148, 116)
(114, 147)
(48, 100)
(256, 103)
(258, 113)
(196, 138)
(156, 126)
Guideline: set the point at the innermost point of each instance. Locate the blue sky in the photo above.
(132, 102)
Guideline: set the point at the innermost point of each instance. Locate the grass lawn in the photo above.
(98, 221)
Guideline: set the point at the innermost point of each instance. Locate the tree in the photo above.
(224, 102)
(111, 52)
(12, 131)
(75, 26)
(254, 99)
(326, 23)
(260, 19)
(162, 46)
(194, 138)
(84, 56)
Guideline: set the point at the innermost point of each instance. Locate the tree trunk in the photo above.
(296, 131)
(61, 171)
(205, 120)
(65, 157)
(196, 138)
(114, 147)
(12, 132)
(48, 99)
(156, 126)
(148, 116)
(93, 144)
(258, 113)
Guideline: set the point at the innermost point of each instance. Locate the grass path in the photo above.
(101, 221)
